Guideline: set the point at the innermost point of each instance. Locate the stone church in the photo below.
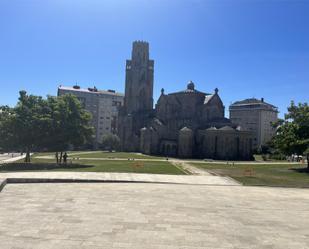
(186, 124)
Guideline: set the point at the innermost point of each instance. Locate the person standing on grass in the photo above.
(57, 157)
(65, 157)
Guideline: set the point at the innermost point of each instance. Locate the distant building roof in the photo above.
(253, 103)
(90, 90)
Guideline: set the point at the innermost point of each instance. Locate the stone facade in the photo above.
(138, 100)
(257, 116)
(184, 124)
(103, 105)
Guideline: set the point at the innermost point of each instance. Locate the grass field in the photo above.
(104, 154)
(266, 173)
(123, 166)
(262, 174)
(101, 154)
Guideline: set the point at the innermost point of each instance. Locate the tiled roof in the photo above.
(186, 129)
(188, 91)
(208, 98)
(226, 128)
(252, 101)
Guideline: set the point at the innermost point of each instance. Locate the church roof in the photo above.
(208, 98)
(239, 128)
(226, 128)
(186, 129)
(157, 121)
(212, 129)
(190, 90)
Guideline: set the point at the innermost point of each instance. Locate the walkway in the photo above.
(189, 167)
(10, 157)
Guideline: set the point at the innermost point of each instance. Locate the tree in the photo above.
(36, 123)
(25, 124)
(306, 153)
(6, 130)
(69, 124)
(293, 133)
(110, 142)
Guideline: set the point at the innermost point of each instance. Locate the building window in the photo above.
(116, 103)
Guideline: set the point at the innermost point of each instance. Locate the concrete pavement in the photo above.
(152, 216)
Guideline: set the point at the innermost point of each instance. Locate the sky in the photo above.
(246, 48)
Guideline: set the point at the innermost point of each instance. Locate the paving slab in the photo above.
(152, 216)
(118, 177)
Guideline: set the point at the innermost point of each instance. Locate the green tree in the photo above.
(6, 130)
(51, 124)
(25, 124)
(69, 124)
(306, 153)
(110, 142)
(293, 133)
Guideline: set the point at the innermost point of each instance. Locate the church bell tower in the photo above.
(139, 80)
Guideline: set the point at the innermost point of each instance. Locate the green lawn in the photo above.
(128, 166)
(102, 154)
(262, 174)
(260, 158)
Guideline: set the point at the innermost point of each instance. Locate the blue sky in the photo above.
(245, 48)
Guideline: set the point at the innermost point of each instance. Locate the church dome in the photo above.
(190, 85)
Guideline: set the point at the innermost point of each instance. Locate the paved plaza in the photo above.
(148, 216)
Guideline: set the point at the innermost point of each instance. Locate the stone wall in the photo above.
(224, 144)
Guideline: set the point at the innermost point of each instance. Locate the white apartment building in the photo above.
(256, 116)
(103, 105)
